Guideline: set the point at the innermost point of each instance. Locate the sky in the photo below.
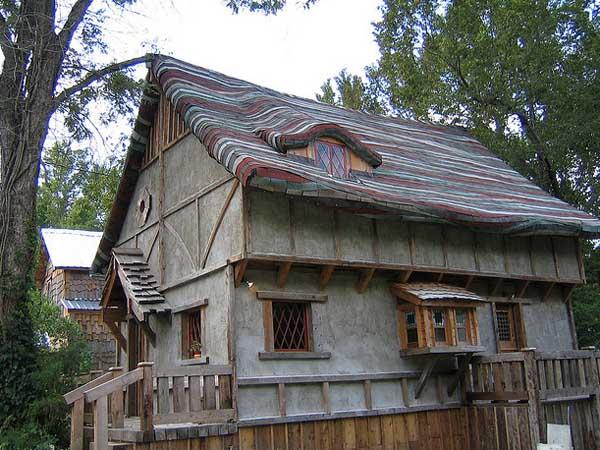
(294, 51)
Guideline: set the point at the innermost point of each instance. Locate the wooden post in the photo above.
(101, 423)
(531, 381)
(147, 413)
(77, 411)
(117, 418)
(594, 380)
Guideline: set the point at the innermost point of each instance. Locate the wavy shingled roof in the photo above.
(425, 169)
(421, 171)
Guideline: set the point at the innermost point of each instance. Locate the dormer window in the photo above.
(332, 158)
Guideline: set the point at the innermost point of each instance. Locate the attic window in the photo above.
(332, 158)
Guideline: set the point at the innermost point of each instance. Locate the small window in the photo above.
(291, 327)
(332, 158)
(412, 336)
(192, 334)
(439, 324)
(461, 325)
(506, 326)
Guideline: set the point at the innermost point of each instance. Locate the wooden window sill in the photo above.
(270, 356)
(193, 361)
(442, 350)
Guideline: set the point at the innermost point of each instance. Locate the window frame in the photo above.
(516, 327)
(267, 298)
(184, 312)
(330, 148)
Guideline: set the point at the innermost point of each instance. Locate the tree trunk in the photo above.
(21, 152)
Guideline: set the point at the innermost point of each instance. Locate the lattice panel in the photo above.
(290, 326)
(504, 328)
(323, 157)
(338, 161)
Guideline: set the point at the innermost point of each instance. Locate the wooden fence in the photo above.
(513, 396)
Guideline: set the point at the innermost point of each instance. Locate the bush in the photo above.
(47, 357)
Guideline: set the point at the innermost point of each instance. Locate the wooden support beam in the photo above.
(116, 332)
(147, 415)
(326, 402)
(469, 281)
(425, 375)
(282, 274)
(548, 291)
(405, 392)
(440, 277)
(496, 286)
(522, 289)
(77, 425)
(101, 423)
(281, 398)
(368, 394)
(567, 292)
(240, 270)
(116, 402)
(404, 276)
(463, 366)
(325, 276)
(150, 334)
(365, 278)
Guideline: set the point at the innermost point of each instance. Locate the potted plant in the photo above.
(196, 349)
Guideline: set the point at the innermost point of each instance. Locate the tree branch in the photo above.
(76, 15)
(97, 75)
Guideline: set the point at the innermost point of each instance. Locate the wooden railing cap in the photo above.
(146, 364)
(115, 369)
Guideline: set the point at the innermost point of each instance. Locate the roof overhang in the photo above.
(435, 294)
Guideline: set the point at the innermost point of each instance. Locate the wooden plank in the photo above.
(303, 379)
(147, 413)
(425, 375)
(101, 423)
(368, 394)
(193, 370)
(206, 416)
(294, 296)
(179, 404)
(497, 396)
(116, 402)
(325, 276)
(77, 412)
(240, 270)
(325, 399)
(364, 279)
(116, 332)
(283, 273)
(225, 399)
(530, 371)
(187, 307)
(109, 387)
(281, 399)
(209, 392)
(195, 392)
(404, 276)
(274, 356)
(162, 386)
(217, 225)
(405, 392)
(79, 393)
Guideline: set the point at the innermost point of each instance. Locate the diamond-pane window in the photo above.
(332, 158)
(291, 326)
(504, 325)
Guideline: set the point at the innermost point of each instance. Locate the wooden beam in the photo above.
(365, 278)
(292, 296)
(548, 291)
(496, 286)
(116, 332)
(463, 366)
(469, 281)
(220, 217)
(150, 334)
(568, 292)
(425, 375)
(440, 277)
(404, 276)
(281, 398)
(240, 270)
(325, 400)
(522, 288)
(282, 274)
(325, 276)
(368, 394)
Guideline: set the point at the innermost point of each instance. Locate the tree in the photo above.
(51, 65)
(521, 75)
(76, 191)
(350, 92)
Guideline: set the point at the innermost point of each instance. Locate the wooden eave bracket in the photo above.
(325, 276)
(116, 332)
(425, 374)
(239, 272)
(463, 366)
(282, 274)
(406, 296)
(548, 291)
(363, 281)
(404, 276)
(150, 334)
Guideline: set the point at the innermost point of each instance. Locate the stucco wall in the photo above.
(358, 329)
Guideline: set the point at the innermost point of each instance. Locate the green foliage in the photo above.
(75, 190)
(265, 6)
(51, 353)
(586, 300)
(521, 75)
(350, 92)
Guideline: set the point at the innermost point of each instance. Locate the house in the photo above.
(339, 270)
(63, 276)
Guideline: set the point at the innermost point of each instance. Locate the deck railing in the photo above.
(190, 394)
